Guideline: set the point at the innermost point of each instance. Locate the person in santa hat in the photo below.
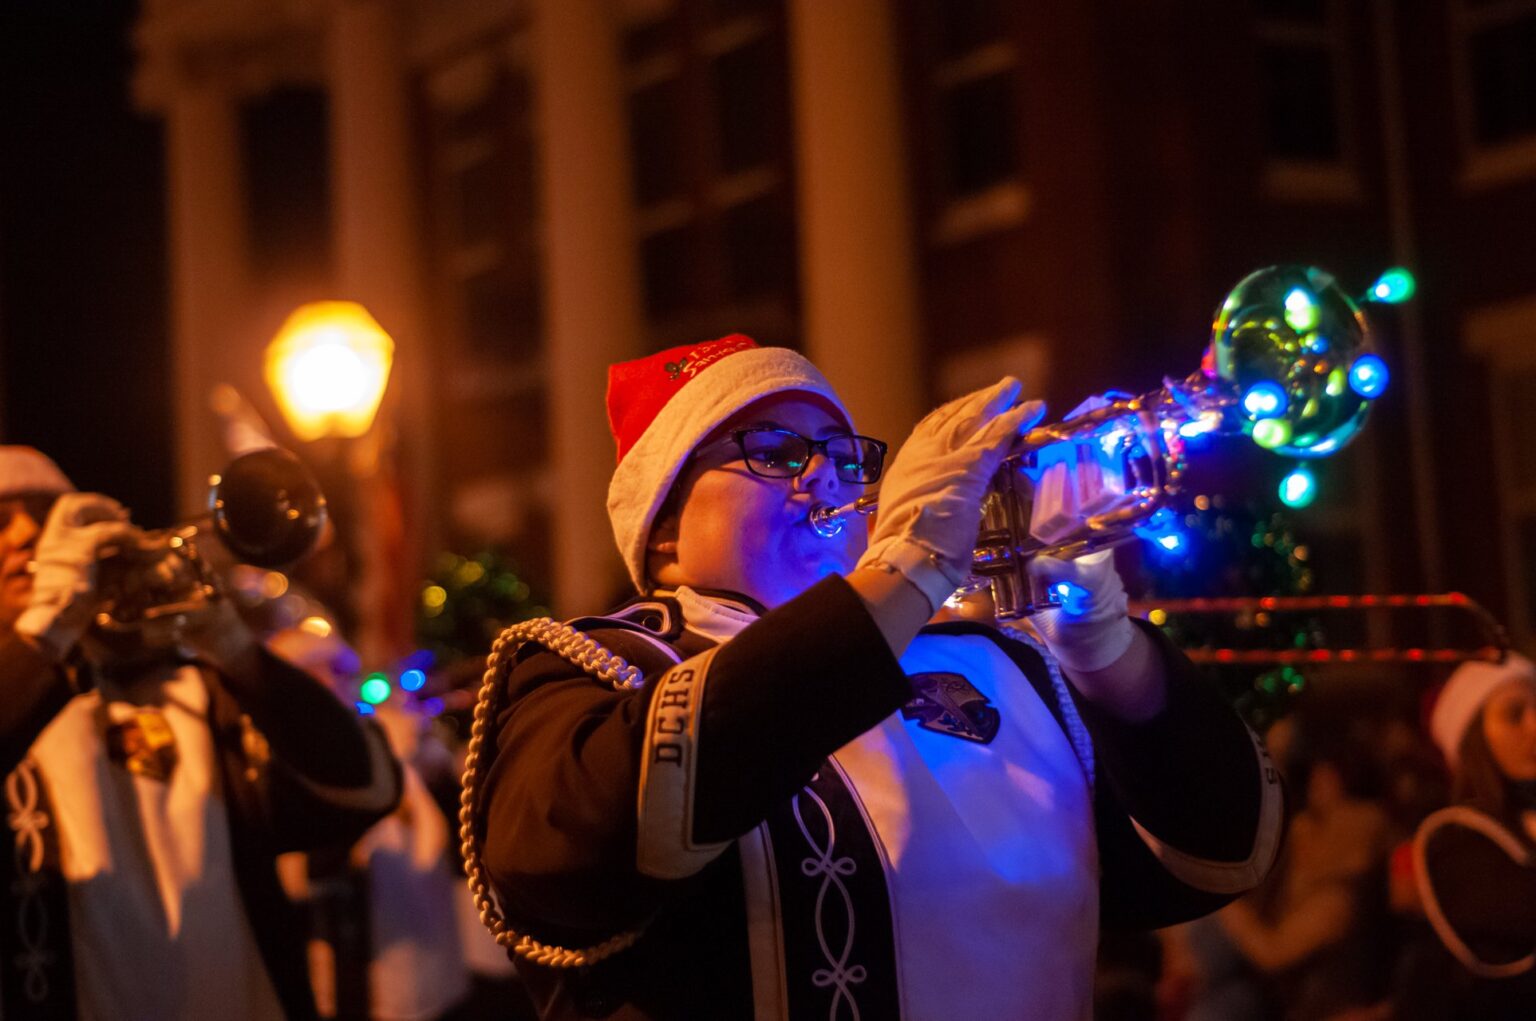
(1475, 862)
(148, 796)
(787, 797)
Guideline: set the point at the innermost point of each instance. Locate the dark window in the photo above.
(1527, 555)
(966, 25)
(735, 8)
(760, 247)
(650, 39)
(482, 192)
(750, 104)
(712, 163)
(978, 119)
(667, 267)
(1504, 80)
(490, 311)
(654, 114)
(1294, 10)
(1300, 108)
(287, 159)
(1518, 429)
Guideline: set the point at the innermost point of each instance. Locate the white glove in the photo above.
(930, 500)
(1092, 628)
(64, 570)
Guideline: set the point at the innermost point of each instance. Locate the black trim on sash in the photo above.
(839, 943)
(37, 973)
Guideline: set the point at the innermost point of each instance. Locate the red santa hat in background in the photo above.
(1462, 699)
(27, 471)
(661, 407)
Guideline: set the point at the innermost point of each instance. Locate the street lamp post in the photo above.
(329, 367)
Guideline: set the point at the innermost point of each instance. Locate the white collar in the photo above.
(714, 617)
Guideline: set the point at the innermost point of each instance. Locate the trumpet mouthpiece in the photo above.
(826, 520)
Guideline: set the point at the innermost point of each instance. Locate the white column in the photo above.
(592, 278)
(374, 189)
(857, 265)
(209, 273)
(378, 263)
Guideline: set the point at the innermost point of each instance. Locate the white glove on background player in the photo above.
(1092, 628)
(930, 499)
(64, 576)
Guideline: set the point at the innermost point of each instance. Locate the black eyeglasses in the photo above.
(782, 454)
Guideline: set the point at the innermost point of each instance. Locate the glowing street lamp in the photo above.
(328, 367)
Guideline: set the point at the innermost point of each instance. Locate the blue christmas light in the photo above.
(1368, 376)
(1163, 532)
(413, 680)
(1264, 399)
(364, 708)
(1298, 488)
(1074, 599)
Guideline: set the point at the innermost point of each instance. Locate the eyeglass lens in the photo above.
(781, 454)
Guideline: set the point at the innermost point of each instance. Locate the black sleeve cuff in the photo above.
(1194, 775)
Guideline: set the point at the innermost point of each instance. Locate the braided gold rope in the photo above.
(581, 651)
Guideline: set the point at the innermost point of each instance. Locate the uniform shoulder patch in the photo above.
(947, 703)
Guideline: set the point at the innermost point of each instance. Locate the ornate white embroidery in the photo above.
(831, 870)
(27, 822)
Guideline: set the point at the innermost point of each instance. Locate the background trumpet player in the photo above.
(148, 797)
(812, 804)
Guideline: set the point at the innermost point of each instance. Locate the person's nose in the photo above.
(22, 530)
(819, 478)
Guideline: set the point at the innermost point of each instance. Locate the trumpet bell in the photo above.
(268, 510)
(1295, 348)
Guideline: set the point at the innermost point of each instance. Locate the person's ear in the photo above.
(661, 552)
(663, 538)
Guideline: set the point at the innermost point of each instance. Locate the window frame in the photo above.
(1313, 180)
(1484, 166)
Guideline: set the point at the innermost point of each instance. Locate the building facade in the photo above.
(919, 194)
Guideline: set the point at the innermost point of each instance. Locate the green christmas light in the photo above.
(1394, 287)
(1338, 379)
(1301, 312)
(1270, 433)
(375, 689)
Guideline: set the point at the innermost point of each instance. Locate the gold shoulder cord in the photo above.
(580, 651)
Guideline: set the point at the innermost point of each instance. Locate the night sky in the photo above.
(83, 289)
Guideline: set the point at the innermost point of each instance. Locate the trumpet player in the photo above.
(813, 805)
(147, 799)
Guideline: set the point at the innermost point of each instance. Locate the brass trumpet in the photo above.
(265, 508)
(1289, 363)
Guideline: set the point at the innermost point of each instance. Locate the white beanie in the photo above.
(27, 471)
(1463, 696)
(661, 407)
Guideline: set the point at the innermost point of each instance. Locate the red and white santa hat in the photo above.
(660, 408)
(1462, 699)
(27, 471)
